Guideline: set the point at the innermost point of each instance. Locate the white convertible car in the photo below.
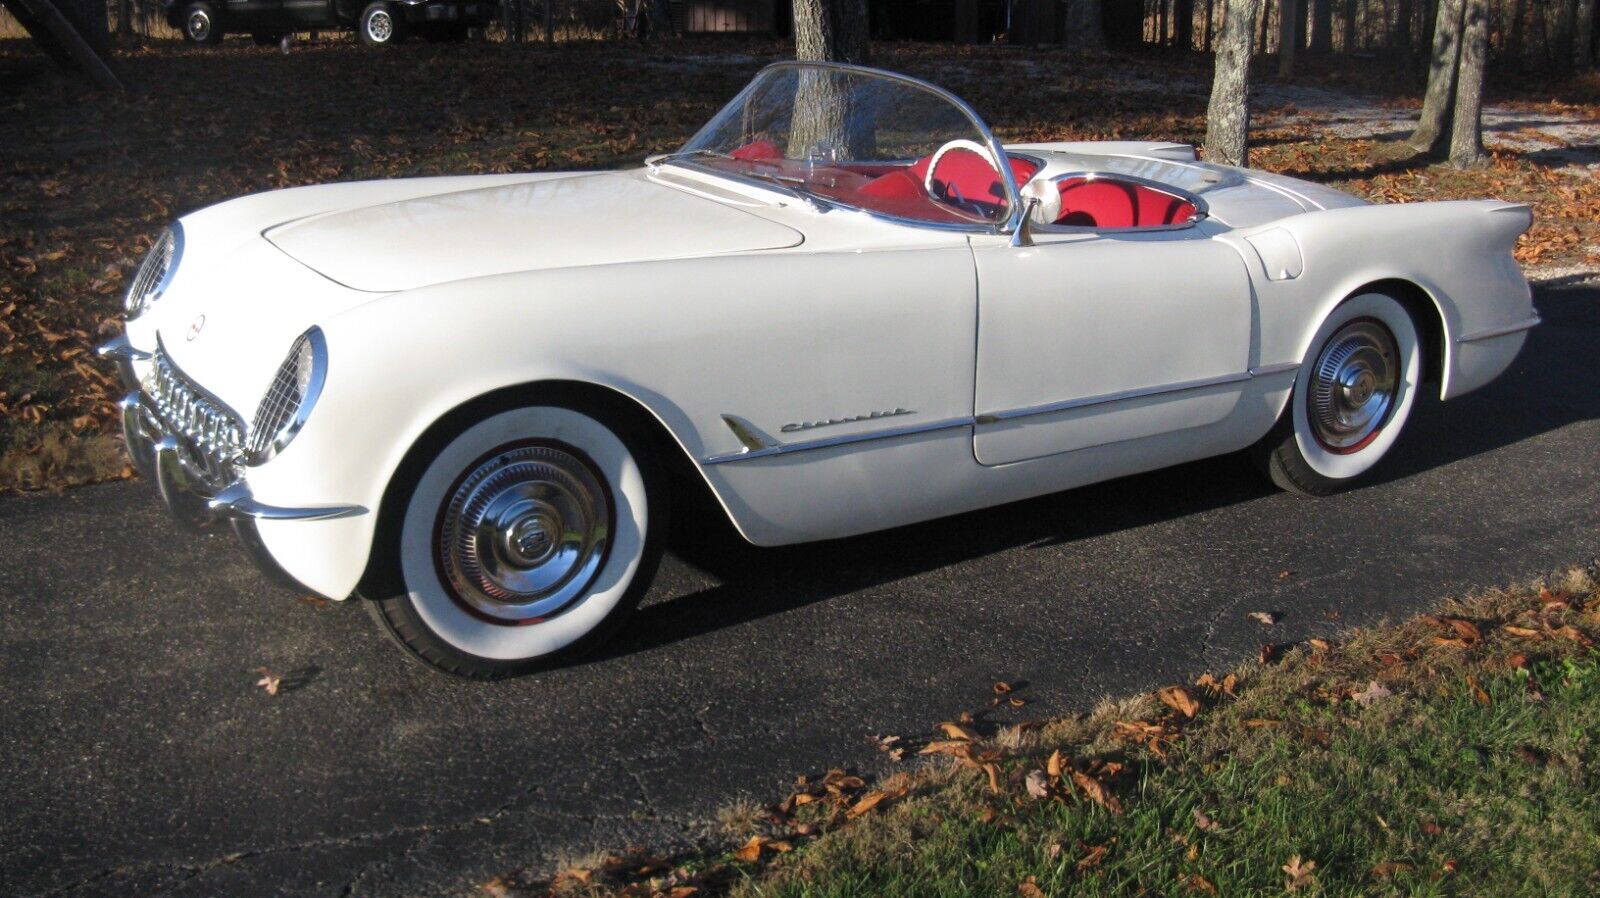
(842, 306)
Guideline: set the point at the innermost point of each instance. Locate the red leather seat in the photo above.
(1110, 203)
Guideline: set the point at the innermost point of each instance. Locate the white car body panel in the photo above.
(737, 301)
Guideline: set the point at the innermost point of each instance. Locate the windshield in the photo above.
(859, 138)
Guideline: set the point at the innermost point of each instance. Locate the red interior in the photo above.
(1119, 204)
(899, 189)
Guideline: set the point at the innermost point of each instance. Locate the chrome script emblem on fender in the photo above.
(195, 327)
(869, 416)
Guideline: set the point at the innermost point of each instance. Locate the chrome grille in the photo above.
(204, 422)
(152, 271)
(282, 401)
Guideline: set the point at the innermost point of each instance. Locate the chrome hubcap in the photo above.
(523, 535)
(1353, 385)
(380, 27)
(199, 26)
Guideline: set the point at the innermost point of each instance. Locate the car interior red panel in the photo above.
(1110, 203)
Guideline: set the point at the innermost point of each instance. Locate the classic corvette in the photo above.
(842, 306)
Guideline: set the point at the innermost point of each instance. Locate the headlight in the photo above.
(155, 272)
(295, 388)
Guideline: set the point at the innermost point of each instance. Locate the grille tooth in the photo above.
(208, 426)
(280, 404)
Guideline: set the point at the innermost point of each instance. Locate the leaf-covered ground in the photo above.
(1450, 755)
(87, 179)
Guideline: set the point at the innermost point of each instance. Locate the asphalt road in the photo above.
(138, 758)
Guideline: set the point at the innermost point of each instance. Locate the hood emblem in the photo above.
(195, 327)
(869, 416)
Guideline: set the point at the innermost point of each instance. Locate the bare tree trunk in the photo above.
(1184, 12)
(1561, 44)
(1288, 12)
(1440, 97)
(832, 31)
(1584, 56)
(1228, 113)
(1085, 30)
(1266, 13)
(1466, 132)
(1205, 33)
(1402, 28)
(1161, 22)
(1322, 26)
(1513, 39)
(1349, 26)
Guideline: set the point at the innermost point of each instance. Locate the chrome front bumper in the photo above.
(196, 494)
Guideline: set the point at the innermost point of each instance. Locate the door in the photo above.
(1089, 338)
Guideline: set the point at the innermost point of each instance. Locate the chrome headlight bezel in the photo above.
(290, 397)
(155, 272)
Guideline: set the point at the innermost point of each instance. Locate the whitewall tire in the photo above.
(1352, 396)
(526, 538)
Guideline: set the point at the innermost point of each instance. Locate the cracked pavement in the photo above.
(137, 757)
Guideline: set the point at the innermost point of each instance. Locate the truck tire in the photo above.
(200, 25)
(379, 26)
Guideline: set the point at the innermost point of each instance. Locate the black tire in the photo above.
(423, 594)
(379, 25)
(1352, 396)
(264, 39)
(200, 25)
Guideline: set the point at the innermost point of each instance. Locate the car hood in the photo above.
(588, 219)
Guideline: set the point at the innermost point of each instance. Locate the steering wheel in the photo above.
(970, 146)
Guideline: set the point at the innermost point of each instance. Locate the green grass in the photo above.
(1436, 789)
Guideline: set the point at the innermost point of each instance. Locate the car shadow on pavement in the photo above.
(1552, 384)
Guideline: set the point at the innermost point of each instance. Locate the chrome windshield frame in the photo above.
(1007, 177)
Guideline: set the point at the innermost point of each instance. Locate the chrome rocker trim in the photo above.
(760, 445)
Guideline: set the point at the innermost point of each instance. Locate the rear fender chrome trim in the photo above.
(1528, 323)
(1122, 396)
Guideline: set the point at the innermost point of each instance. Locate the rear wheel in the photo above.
(200, 24)
(1352, 396)
(379, 26)
(527, 539)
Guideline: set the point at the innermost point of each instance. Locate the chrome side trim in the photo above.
(1121, 396)
(759, 446)
(1531, 321)
(1269, 370)
(830, 442)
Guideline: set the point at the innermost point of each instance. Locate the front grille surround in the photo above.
(212, 430)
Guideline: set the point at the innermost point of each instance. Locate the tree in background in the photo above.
(1228, 114)
(1466, 133)
(1439, 98)
(832, 31)
(1290, 18)
(1085, 30)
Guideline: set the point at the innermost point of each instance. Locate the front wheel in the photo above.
(1352, 396)
(378, 25)
(200, 24)
(528, 538)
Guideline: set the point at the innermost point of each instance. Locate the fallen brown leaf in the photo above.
(1204, 823)
(867, 803)
(1388, 869)
(957, 731)
(269, 681)
(1037, 784)
(751, 852)
(1478, 694)
(1028, 888)
(1300, 873)
(1374, 692)
(1053, 765)
(1264, 618)
(1179, 699)
(1194, 882)
(1096, 791)
(1092, 858)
